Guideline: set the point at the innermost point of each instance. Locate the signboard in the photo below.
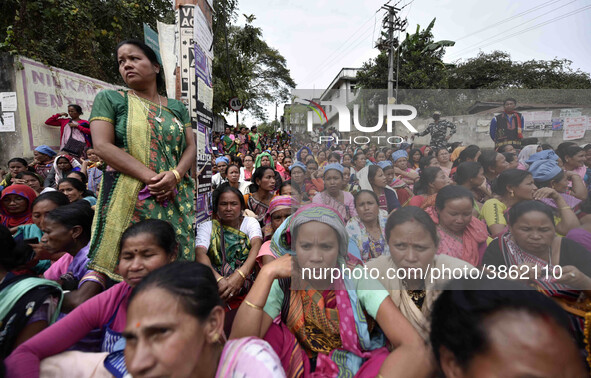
(185, 21)
(203, 58)
(537, 120)
(235, 104)
(151, 39)
(7, 122)
(204, 151)
(203, 33)
(574, 128)
(43, 91)
(203, 208)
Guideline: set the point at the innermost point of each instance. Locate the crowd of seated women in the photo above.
(245, 308)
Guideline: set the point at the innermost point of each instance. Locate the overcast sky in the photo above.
(319, 37)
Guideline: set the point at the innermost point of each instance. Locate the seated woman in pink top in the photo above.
(67, 229)
(145, 247)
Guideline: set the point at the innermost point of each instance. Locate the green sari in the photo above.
(228, 250)
(227, 143)
(159, 146)
(255, 139)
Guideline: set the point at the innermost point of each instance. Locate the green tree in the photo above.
(247, 67)
(420, 63)
(77, 35)
(497, 70)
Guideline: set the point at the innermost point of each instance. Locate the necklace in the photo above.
(417, 295)
(158, 118)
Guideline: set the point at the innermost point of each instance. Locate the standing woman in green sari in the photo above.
(230, 142)
(148, 144)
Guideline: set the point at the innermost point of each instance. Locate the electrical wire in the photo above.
(328, 64)
(540, 6)
(509, 30)
(536, 26)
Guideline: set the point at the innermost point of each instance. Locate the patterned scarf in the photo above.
(10, 220)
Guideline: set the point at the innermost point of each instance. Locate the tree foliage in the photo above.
(421, 66)
(81, 36)
(453, 88)
(420, 63)
(77, 35)
(497, 70)
(247, 67)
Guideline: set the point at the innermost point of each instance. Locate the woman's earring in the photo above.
(215, 338)
(512, 194)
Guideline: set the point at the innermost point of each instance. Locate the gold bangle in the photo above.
(565, 207)
(242, 274)
(219, 279)
(177, 175)
(253, 305)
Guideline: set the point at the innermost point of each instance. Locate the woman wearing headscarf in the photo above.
(16, 205)
(219, 178)
(303, 153)
(266, 160)
(547, 174)
(333, 196)
(403, 192)
(400, 159)
(326, 327)
(456, 152)
(43, 162)
(298, 177)
(524, 155)
(372, 178)
(62, 166)
(279, 210)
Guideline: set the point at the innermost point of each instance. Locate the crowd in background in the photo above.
(280, 205)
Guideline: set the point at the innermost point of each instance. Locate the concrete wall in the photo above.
(11, 143)
(474, 129)
(41, 92)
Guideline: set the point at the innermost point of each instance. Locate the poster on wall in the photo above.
(203, 209)
(203, 53)
(44, 91)
(557, 124)
(575, 112)
(8, 101)
(187, 59)
(537, 120)
(204, 169)
(7, 122)
(574, 128)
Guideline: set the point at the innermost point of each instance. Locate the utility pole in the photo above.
(391, 23)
